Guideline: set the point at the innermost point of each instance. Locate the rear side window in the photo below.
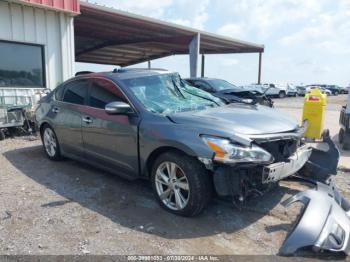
(75, 92)
(103, 92)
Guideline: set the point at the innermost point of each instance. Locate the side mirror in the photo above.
(118, 108)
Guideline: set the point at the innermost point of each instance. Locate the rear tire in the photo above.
(181, 184)
(2, 135)
(50, 143)
(341, 136)
(343, 143)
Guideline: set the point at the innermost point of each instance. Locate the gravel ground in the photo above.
(70, 208)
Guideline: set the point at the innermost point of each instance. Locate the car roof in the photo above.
(203, 78)
(122, 74)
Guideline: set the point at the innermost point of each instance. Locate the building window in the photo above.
(21, 65)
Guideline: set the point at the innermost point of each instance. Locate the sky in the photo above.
(306, 41)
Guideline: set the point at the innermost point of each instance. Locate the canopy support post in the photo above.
(203, 65)
(149, 64)
(259, 73)
(348, 104)
(194, 53)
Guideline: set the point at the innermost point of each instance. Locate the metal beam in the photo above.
(203, 65)
(194, 53)
(259, 73)
(149, 64)
(166, 40)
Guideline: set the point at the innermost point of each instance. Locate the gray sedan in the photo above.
(147, 124)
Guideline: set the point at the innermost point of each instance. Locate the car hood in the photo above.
(236, 91)
(238, 119)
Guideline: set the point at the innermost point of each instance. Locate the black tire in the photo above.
(346, 146)
(336, 93)
(282, 94)
(342, 142)
(2, 135)
(199, 182)
(56, 156)
(341, 136)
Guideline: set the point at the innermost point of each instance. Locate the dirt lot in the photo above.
(70, 208)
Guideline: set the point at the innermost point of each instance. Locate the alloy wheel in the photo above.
(50, 143)
(172, 186)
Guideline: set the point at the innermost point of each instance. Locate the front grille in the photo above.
(281, 150)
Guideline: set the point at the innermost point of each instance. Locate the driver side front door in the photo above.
(110, 140)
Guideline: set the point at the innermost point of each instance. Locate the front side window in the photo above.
(75, 92)
(163, 94)
(103, 92)
(21, 65)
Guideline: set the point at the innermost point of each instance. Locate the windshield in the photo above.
(188, 88)
(165, 94)
(220, 85)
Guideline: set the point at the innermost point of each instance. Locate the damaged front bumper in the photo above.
(324, 223)
(243, 178)
(280, 170)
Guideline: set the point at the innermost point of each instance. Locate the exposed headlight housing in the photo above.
(228, 152)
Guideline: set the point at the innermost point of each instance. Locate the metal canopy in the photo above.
(109, 36)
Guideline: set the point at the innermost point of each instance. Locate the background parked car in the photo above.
(229, 92)
(344, 90)
(333, 88)
(322, 89)
(301, 90)
(273, 90)
(291, 90)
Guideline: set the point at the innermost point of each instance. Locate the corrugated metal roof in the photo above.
(109, 36)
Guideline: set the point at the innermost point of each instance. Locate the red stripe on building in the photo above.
(65, 5)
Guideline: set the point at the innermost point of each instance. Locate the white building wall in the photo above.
(54, 30)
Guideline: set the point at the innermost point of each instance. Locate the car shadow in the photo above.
(131, 203)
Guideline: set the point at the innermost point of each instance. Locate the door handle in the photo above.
(55, 110)
(87, 119)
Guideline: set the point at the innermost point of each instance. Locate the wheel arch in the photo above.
(42, 125)
(159, 151)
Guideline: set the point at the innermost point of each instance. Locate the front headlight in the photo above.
(227, 152)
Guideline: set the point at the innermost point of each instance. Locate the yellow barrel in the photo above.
(314, 111)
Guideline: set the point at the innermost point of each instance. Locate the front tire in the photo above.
(282, 94)
(50, 143)
(181, 184)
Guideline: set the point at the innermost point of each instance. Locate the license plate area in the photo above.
(280, 170)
